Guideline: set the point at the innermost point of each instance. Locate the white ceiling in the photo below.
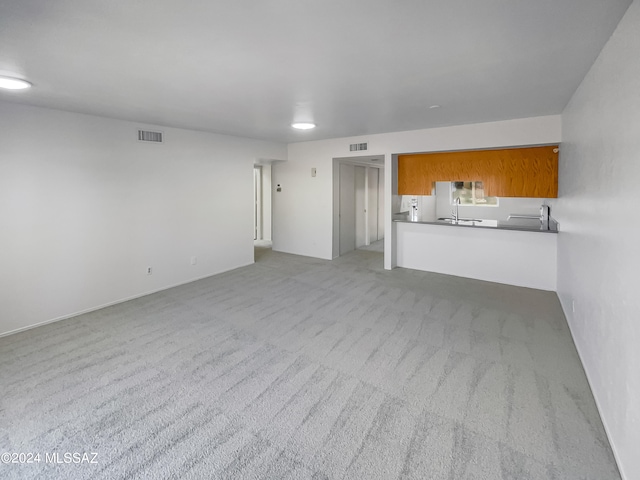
(355, 67)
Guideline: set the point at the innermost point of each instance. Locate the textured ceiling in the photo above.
(354, 67)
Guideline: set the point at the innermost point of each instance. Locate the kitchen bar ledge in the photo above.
(511, 256)
(526, 226)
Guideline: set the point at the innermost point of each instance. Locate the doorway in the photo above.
(257, 203)
(358, 204)
(262, 210)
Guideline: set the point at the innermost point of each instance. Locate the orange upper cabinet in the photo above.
(509, 172)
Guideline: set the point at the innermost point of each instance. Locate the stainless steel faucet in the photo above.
(454, 210)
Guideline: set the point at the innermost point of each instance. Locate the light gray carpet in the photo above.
(297, 368)
(377, 246)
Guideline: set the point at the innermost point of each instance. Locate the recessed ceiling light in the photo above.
(432, 107)
(11, 83)
(303, 126)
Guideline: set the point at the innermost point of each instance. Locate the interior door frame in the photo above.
(347, 211)
(257, 203)
(375, 161)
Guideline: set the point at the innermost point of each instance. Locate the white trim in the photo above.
(257, 203)
(367, 161)
(595, 398)
(123, 300)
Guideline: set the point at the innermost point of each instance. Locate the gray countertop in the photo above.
(526, 226)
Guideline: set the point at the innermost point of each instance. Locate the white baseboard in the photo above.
(569, 318)
(115, 302)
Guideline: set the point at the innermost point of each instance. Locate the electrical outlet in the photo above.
(149, 271)
(194, 260)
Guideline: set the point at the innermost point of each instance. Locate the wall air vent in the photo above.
(147, 136)
(356, 147)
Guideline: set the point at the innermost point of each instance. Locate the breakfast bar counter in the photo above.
(513, 255)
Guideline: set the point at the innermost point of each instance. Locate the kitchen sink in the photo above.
(451, 220)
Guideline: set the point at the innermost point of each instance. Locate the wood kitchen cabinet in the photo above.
(508, 172)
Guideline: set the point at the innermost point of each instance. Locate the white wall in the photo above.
(599, 242)
(303, 210)
(85, 208)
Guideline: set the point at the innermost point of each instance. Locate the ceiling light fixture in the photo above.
(432, 107)
(303, 126)
(11, 83)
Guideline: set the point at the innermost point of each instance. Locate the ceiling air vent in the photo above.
(147, 136)
(355, 147)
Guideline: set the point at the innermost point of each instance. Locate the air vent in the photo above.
(355, 147)
(147, 136)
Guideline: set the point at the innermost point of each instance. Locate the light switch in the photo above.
(313, 172)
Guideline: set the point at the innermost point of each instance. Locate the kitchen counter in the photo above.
(514, 256)
(532, 225)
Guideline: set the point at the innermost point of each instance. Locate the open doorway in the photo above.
(257, 203)
(262, 210)
(358, 186)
